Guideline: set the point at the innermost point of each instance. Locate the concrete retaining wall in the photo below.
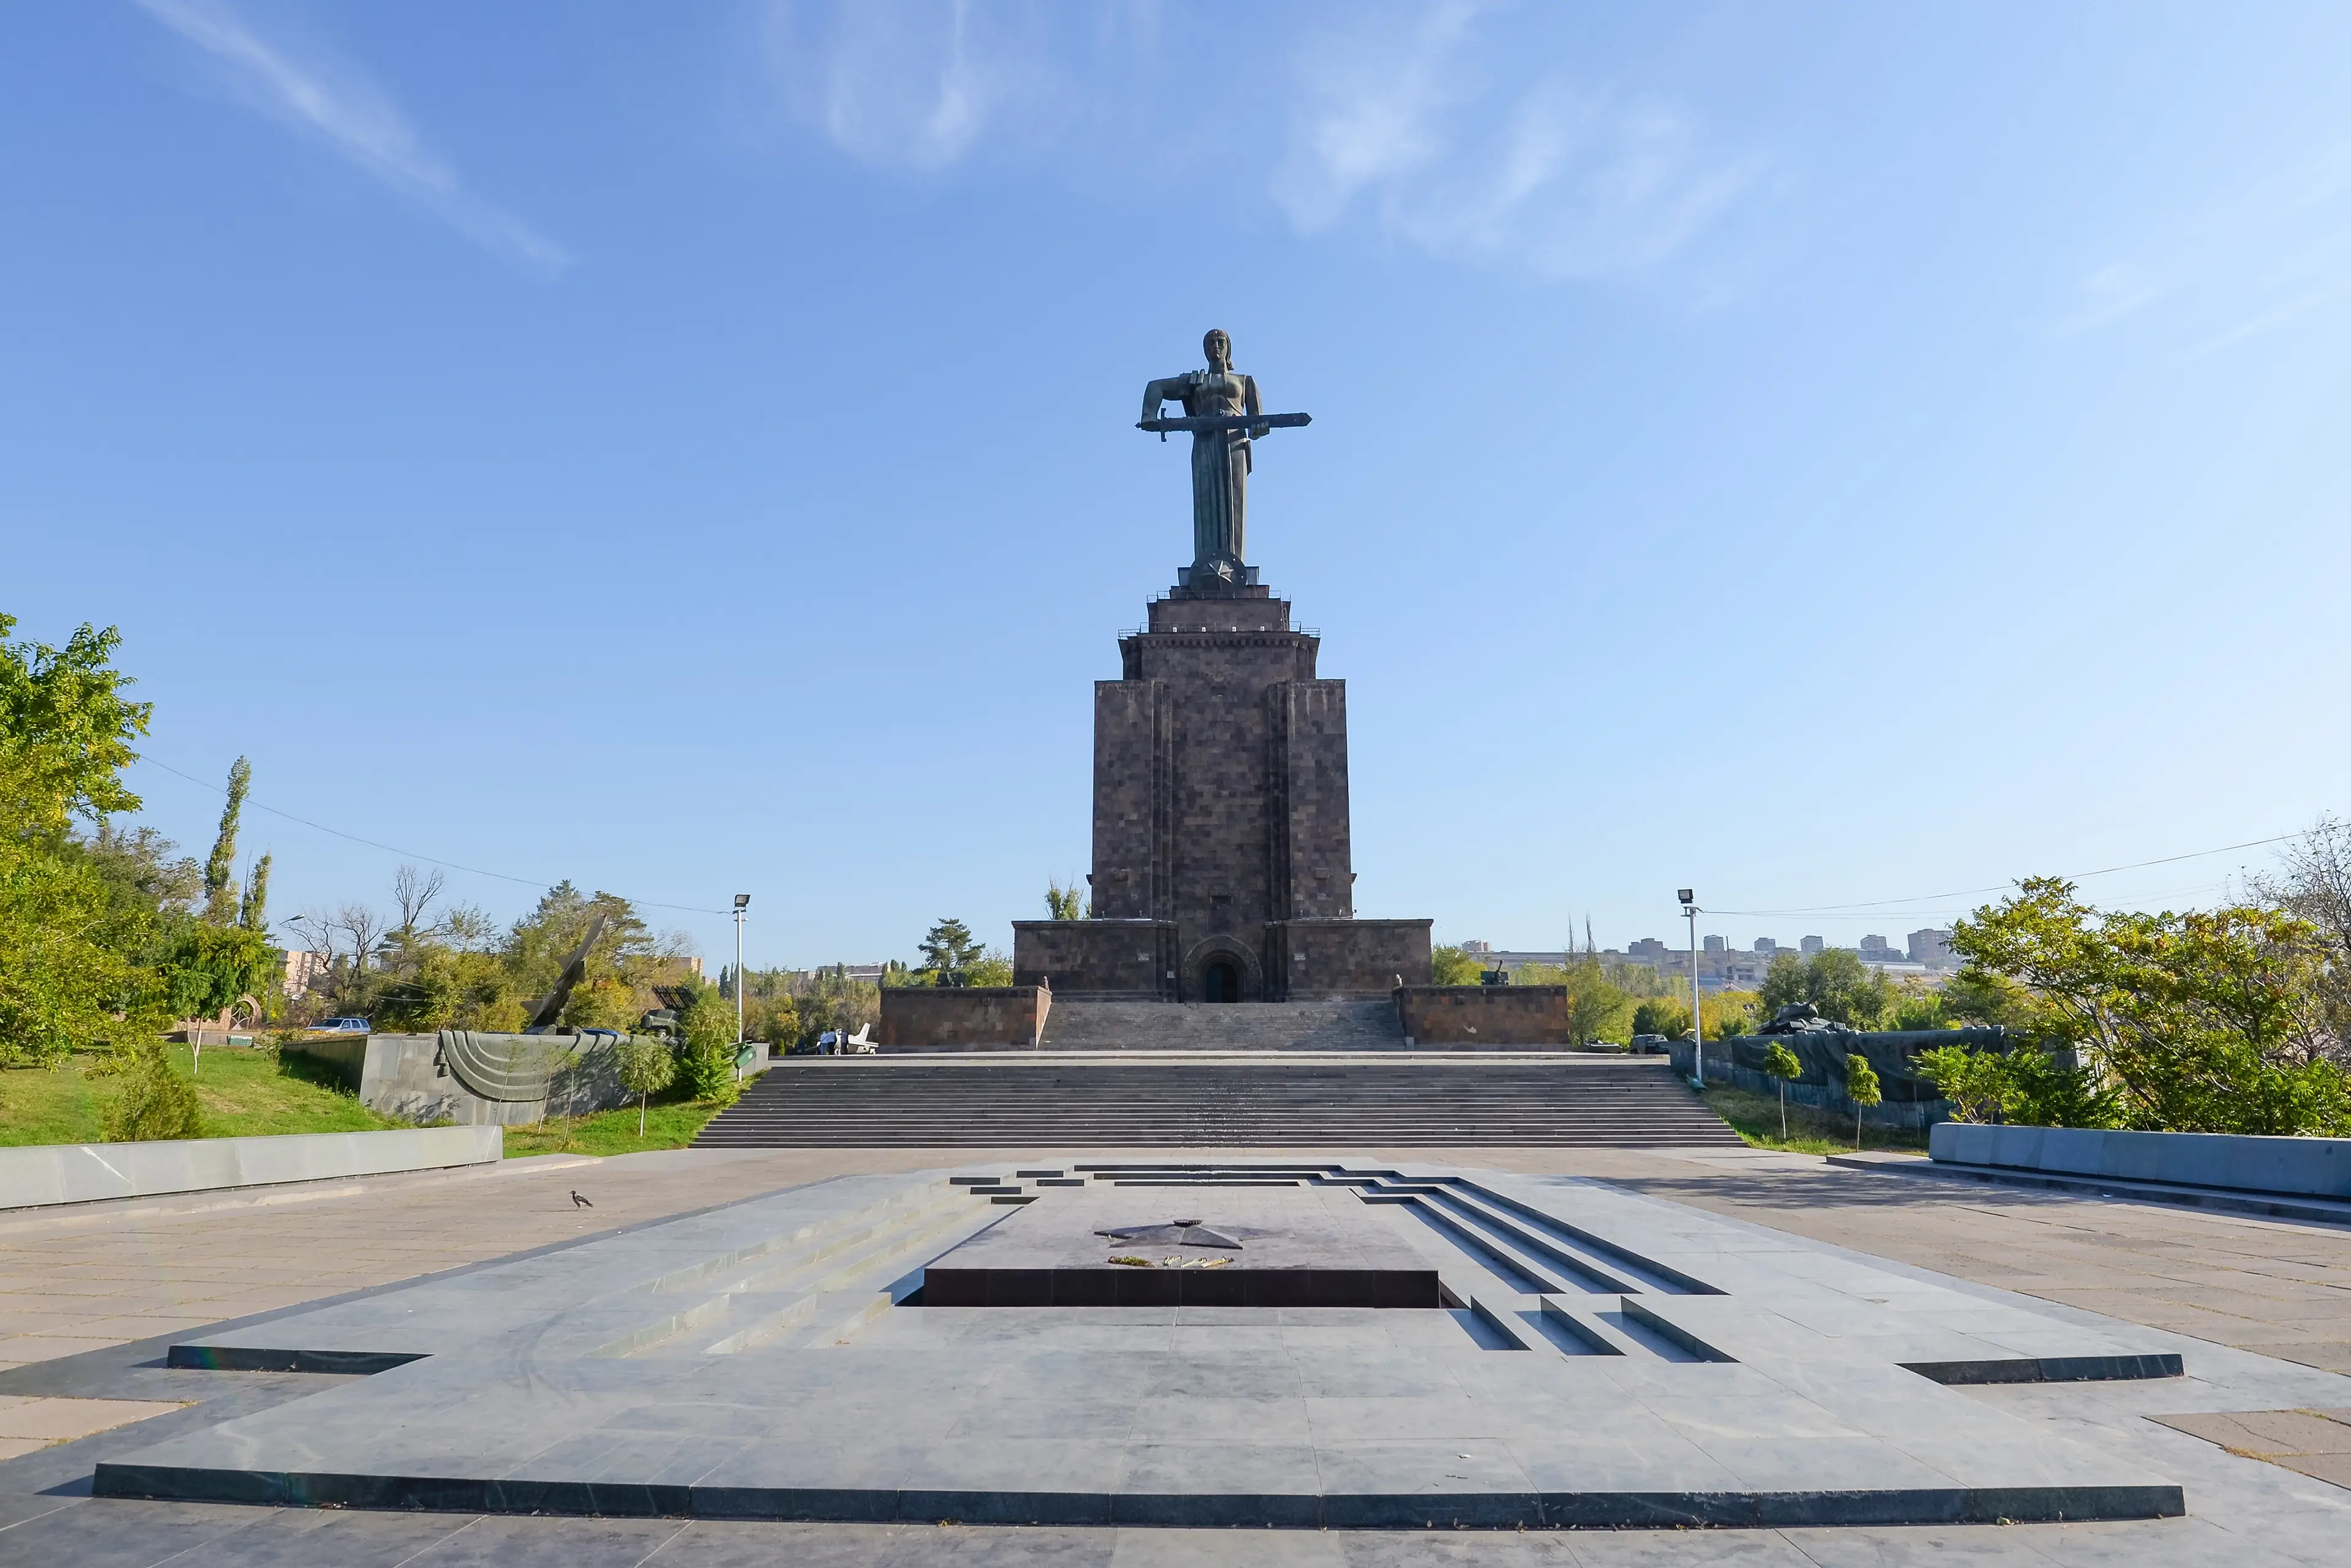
(86, 1172)
(2310, 1166)
(969, 1016)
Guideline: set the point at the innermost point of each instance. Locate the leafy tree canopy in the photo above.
(2208, 1021)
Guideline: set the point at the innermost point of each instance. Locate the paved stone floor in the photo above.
(86, 1295)
(2281, 1288)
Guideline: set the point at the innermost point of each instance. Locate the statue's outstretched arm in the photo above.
(1167, 389)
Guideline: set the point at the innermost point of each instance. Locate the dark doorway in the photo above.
(1220, 981)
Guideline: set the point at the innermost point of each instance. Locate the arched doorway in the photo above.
(1221, 968)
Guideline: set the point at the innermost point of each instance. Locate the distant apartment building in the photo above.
(1932, 948)
(1647, 950)
(1811, 944)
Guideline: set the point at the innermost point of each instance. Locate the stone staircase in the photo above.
(1394, 1099)
(1342, 1023)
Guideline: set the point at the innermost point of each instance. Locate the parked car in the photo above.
(342, 1026)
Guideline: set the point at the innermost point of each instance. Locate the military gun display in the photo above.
(549, 1008)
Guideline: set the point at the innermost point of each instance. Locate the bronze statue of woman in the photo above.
(1221, 458)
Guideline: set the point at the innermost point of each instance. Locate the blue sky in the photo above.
(1821, 454)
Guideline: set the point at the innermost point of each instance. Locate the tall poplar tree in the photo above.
(254, 912)
(220, 871)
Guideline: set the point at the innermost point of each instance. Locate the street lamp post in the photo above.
(1697, 1017)
(742, 902)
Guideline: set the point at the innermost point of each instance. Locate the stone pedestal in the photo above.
(1223, 867)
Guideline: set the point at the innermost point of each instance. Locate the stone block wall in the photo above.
(1009, 1017)
(1096, 958)
(1337, 957)
(1484, 1014)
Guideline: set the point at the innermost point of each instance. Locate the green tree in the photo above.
(990, 968)
(2208, 1021)
(645, 1064)
(1918, 1010)
(205, 969)
(1976, 1082)
(948, 949)
(1064, 903)
(220, 870)
(707, 1050)
(1835, 980)
(254, 912)
(1782, 1064)
(1450, 965)
(1666, 1016)
(67, 932)
(155, 1102)
(1730, 1014)
(1861, 1087)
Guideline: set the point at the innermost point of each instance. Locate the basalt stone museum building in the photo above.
(1222, 864)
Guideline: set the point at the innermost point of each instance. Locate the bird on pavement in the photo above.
(579, 1202)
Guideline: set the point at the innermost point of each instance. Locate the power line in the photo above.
(406, 854)
(1862, 910)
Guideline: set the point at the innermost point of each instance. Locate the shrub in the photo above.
(708, 1055)
(156, 1102)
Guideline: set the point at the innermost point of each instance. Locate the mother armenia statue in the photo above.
(1222, 411)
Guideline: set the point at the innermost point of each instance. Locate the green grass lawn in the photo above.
(244, 1092)
(1756, 1119)
(670, 1124)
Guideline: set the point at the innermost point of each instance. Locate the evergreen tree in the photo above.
(220, 880)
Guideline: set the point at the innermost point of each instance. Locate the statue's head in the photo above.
(1218, 346)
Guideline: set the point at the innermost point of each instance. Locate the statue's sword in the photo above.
(1200, 423)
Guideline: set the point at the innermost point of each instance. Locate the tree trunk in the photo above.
(641, 1116)
(1856, 1124)
(1783, 1110)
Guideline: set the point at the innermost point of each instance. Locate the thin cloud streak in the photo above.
(2261, 260)
(358, 121)
(1559, 179)
(1409, 121)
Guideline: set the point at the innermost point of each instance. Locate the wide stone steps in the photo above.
(1352, 1023)
(1458, 1102)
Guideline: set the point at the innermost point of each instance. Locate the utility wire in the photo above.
(1862, 911)
(408, 854)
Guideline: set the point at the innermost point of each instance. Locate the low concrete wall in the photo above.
(2309, 1166)
(969, 1016)
(86, 1172)
(1483, 1015)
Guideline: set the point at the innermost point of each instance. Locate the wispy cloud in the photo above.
(357, 119)
(917, 83)
(2263, 259)
(1566, 180)
(1409, 116)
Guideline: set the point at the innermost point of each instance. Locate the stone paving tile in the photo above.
(55, 1420)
